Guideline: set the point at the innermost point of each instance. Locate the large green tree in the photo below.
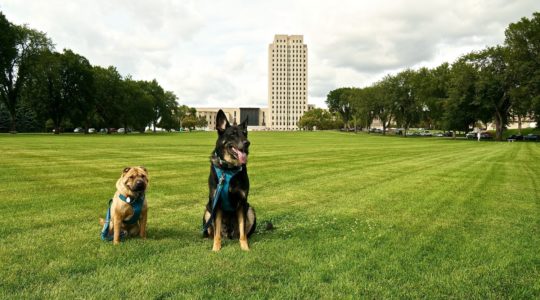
(363, 106)
(170, 119)
(157, 96)
(183, 112)
(523, 43)
(461, 110)
(383, 100)
(78, 82)
(61, 86)
(439, 87)
(137, 105)
(190, 121)
(108, 94)
(19, 48)
(320, 119)
(431, 91)
(408, 109)
(338, 101)
(494, 85)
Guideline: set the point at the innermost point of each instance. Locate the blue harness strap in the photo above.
(222, 192)
(137, 208)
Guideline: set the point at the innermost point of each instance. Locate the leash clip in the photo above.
(222, 179)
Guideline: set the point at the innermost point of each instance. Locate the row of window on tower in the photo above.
(290, 70)
(283, 118)
(295, 112)
(290, 102)
(285, 123)
(292, 94)
(290, 86)
(289, 98)
(289, 56)
(289, 46)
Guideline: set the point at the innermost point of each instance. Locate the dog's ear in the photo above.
(126, 169)
(221, 122)
(244, 125)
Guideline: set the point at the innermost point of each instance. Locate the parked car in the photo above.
(448, 134)
(103, 130)
(471, 135)
(531, 137)
(425, 133)
(515, 137)
(91, 130)
(78, 130)
(375, 130)
(443, 134)
(483, 136)
(112, 130)
(121, 130)
(486, 136)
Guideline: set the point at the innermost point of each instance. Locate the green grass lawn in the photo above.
(354, 215)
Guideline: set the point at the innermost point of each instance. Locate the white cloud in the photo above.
(213, 53)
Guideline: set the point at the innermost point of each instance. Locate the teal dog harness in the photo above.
(136, 204)
(222, 192)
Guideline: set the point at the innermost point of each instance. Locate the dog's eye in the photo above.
(131, 176)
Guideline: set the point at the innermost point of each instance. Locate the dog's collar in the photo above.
(128, 199)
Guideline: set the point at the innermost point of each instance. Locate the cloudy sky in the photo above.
(214, 53)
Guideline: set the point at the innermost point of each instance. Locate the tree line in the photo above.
(42, 89)
(499, 84)
(320, 119)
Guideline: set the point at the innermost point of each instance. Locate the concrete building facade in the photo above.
(256, 116)
(287, 81)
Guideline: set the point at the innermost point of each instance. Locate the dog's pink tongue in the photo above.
(242, 158)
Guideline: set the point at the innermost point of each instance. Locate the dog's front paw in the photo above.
(217, 246)
(244, 245)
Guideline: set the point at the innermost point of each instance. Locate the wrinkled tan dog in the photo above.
(128, 209)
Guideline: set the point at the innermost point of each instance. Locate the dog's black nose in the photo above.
(139, 184)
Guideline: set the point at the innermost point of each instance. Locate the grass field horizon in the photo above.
(355, 215)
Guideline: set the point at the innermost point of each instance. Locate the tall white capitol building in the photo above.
(287, 82)
(287, 90)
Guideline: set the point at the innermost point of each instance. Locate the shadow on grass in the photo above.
(161, 233)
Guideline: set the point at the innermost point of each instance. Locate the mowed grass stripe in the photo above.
(355, 216)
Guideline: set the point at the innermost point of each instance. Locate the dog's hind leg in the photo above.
(134, 230)
(242, 229)
(251, 221)
(217, 230)
(142, 222)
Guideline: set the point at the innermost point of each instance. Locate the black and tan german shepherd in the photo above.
(232, 217)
